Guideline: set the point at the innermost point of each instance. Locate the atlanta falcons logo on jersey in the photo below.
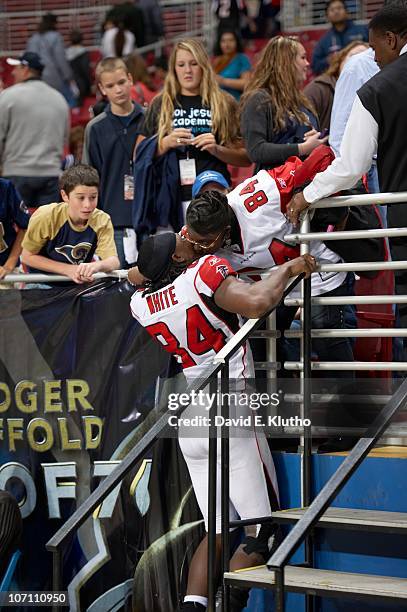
(223, 270)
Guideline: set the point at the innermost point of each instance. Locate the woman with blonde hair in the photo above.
(277, 120)
(195, 118)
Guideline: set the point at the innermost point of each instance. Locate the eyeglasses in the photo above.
(203, 247)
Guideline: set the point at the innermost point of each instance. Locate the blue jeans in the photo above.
(118, 238)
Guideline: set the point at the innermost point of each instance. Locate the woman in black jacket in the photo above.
(277, 120)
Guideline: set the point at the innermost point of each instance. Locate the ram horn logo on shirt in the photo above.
(222, 270)
(76, 253)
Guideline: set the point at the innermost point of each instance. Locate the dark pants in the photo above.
(323, 317)
(37, 190)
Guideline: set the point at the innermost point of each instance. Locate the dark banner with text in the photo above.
(78, 376)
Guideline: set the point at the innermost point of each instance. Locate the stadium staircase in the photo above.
(329, 583)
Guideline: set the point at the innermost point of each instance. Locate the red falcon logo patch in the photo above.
(223, 270)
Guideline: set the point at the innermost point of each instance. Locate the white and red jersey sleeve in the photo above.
(284, 177)
(211, 274)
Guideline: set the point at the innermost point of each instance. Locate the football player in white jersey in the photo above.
(248, 227)
(193, 315)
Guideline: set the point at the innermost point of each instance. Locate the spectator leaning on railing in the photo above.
(377, 124)
(343, 32)
(13, 223)
(63, 238)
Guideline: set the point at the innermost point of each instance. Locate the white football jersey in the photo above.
(259, 204)
(184, 318)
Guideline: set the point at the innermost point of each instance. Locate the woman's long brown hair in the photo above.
(276, 74)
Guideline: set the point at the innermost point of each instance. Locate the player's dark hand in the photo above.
(305, 264)
(134, 277)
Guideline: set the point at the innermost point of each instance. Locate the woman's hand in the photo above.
(206, 142)
(177, 138)
(310, 133)
(312, 140)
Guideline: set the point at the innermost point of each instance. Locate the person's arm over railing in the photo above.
(82, 273)
(14, 255)
(358, 146)
(255, 300)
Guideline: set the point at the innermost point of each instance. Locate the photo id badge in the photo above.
(128, 187)
(187, 171)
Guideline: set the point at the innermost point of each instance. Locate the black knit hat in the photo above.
(155, 255)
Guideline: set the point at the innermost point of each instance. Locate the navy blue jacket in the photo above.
(109, 147)
(13, 212)
(157, 195)
(334, 41)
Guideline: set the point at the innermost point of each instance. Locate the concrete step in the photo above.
(351, 518)
(324, 582)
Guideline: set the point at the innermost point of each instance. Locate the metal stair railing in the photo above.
(302, 530)
(279, 559)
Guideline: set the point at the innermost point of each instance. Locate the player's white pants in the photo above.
(249, 458)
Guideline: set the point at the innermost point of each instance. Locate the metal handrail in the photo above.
(364, 199)
(392, 232)
(350, 366)
(35, 277)
(302, 530)
(331, 489)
